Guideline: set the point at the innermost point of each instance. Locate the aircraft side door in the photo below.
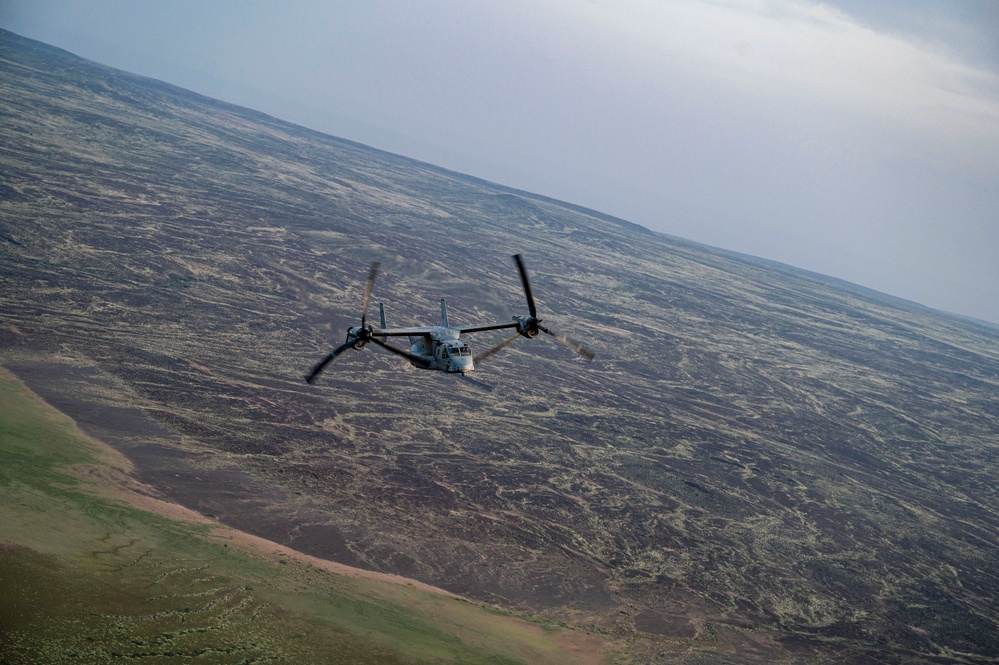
(440, 356)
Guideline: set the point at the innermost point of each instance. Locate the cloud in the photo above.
(785, 129)
(784, 48)
(789, 129)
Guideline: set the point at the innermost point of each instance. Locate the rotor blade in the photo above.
(578, 347)
(367, 291)
(482, 356)
(527, 285)
(321, 365)
(405, 354)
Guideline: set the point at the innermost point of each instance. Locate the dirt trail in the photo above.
(117, 478)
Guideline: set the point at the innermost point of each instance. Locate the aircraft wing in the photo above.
(401, 332)
(493, 326)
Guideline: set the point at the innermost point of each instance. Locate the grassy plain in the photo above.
(86, 576)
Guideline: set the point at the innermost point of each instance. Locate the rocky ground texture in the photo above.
(761, 465)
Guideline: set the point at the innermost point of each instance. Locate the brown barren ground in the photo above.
(762, 464)
(131, 576)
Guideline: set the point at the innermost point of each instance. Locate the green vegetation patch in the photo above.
(88, 578)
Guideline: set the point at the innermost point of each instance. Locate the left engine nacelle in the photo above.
(354, 337)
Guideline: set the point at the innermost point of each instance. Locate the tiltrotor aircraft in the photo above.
(440, 347)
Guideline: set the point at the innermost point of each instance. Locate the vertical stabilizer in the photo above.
(381, 315)
(444, 313)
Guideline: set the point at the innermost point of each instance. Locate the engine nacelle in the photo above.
(527, 326)
(354, 339)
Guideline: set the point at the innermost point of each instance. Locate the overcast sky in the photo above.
(854, 138)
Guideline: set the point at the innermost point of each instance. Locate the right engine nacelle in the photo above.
(527, 326)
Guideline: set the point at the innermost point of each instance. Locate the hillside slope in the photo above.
(95, 570)
(761, 464)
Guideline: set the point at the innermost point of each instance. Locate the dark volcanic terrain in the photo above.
(761, 465)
